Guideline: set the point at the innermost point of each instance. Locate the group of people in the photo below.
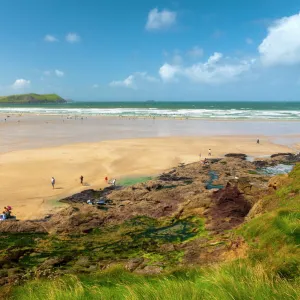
(6, 214)
(113, 181)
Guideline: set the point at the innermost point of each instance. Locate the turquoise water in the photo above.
(197, 110)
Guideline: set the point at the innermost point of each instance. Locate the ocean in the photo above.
(195, 110)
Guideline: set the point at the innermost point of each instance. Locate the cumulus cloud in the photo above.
(131, 80)
(282, 44)
(21, 84)
(168, 72)
(73, 37)
(50, 38)
(215, 70)
(195, 52)
(59, 73)
(160, 19)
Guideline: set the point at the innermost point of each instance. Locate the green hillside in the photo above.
(32, 98)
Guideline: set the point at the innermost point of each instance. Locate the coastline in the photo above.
(25, 174)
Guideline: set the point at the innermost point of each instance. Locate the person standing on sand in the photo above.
(106, 179)
(257, 141)
(209, 152)
(81, 180)
(53, 182)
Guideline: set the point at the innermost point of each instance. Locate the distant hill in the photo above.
(32, 98)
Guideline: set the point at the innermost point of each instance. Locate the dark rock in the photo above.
(91, 195)
(282, 154)
(237, 155)
(228, 210)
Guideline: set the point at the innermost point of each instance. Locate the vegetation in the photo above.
(270, 270)
(232, 281)
(32, 98)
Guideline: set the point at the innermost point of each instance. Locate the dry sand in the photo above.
(25, 174)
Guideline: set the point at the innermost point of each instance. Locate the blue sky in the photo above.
(161, 50)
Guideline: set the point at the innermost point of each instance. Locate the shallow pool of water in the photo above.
(277, 170)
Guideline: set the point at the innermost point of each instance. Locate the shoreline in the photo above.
(25, 174)
(32, 131)
(156, 117)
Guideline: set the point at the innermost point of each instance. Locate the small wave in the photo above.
(155, 112)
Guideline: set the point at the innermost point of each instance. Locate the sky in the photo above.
(151, 50)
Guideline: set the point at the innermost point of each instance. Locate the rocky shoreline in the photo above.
(146, 227)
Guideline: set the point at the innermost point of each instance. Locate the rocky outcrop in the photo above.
(229, 208)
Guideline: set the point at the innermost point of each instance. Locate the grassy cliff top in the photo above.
(32, 98)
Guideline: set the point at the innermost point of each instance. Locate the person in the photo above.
(257, 141)
(81, 180)
(209, 152)
(53, 182)
(106, 179)
(200, 156)
(114, 182)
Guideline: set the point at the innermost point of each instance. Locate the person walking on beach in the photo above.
(209, 152)
(106, 179)
(81, 180)
(53, 182)
(257, 141)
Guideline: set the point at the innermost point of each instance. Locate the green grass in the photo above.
(26, 98)
(128, 181)
(231, 281)
(274, 237)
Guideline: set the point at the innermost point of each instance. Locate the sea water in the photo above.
(196, 110)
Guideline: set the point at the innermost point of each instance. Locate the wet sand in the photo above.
(30, 131)
(39, 147)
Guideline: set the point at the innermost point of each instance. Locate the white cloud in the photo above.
(95, 86)
(21, 84)
(168, 72)
(73, 37)
(160, 20)
(47, 73)
(50, 38)
(215, 70)
(249, 41)
(127, 82)
(195, 52)
(132, 80)
(59, 73)
(214, 58)
(282, 44)
(145, 76)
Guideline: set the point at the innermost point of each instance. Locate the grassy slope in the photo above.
(25, 98)
(271, 270)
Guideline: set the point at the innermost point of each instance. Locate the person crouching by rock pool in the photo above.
(6, 213)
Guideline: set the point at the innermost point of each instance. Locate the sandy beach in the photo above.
(70, 151)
